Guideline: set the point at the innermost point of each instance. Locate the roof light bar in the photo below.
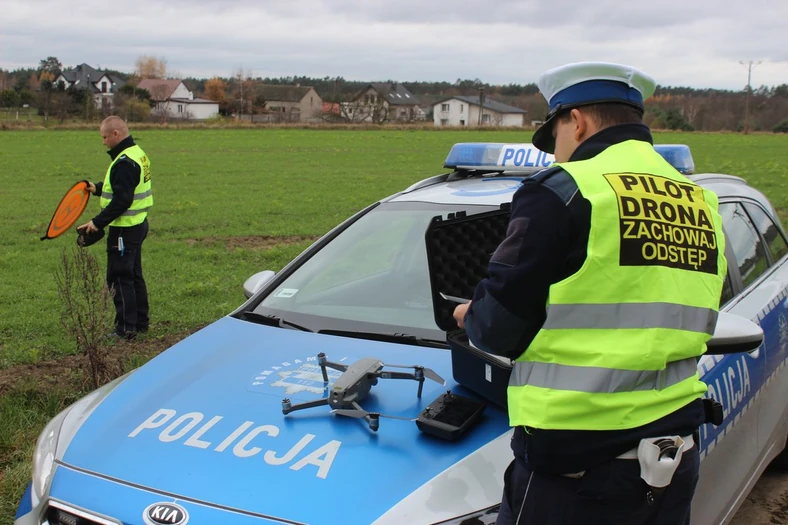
(527, 158)
(498, 157)
(678, 156)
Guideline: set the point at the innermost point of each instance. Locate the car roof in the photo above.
(460, 188)
(731, 187)
(496, 188)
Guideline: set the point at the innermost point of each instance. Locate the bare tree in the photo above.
(365, 110)
(244, 93)
(158, 94)
(87, 313)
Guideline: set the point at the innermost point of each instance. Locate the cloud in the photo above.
(696, 43)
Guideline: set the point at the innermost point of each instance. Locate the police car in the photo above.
(199, 433)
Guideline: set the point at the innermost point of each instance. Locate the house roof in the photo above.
(395, 94)
(194, 100)
(160, 89)
(280, 93)
(489, 103)
(85, 75)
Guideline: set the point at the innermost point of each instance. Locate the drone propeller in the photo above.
(361, 414)
(428, 372)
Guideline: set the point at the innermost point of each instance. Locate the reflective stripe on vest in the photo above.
(143, 195)
(631, 315)
(622, 336)
(598, 380)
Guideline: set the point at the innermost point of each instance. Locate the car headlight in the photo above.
(57, 435)
(44, 457)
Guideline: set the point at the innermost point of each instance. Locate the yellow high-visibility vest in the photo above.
(622, 337)
(143, 196)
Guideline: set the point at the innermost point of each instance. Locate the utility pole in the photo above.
(481, 105)
(749, 65)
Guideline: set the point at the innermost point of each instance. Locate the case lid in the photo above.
(458, 252)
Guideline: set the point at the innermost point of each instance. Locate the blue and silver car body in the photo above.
(197, 434)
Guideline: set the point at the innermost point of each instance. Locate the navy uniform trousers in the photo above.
(124, 275)
(610, 494)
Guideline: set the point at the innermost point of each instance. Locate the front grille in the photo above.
(61, 517)
(61, 514)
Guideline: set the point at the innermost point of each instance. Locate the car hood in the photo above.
(203, 421)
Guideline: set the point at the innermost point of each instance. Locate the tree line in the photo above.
(672, 107)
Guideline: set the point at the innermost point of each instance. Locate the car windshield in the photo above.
(372, 277)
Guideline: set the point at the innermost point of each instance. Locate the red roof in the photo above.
(160, 89)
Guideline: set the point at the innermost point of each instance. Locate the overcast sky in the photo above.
(696, 43)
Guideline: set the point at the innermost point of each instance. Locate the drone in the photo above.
(354, 384)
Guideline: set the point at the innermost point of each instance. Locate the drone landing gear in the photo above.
(372, 418)
(288, 407)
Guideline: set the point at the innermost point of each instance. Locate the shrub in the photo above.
(781, 127)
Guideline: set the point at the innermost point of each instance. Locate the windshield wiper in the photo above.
(271, 320)
(405, 339)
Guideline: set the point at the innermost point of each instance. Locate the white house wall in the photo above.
(203, 111)
(182, 92)
(460, 113)
(190, 111)
(513, 119)
(103, 84)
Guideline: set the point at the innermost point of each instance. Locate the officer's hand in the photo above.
(89, 227)
(459, 314)
(91, 188)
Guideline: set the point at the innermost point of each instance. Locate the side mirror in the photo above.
(254, 283)
(734, 334)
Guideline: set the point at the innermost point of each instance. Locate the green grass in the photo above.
(211, 186)
(23, 414)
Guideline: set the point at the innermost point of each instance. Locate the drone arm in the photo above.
(397, 375)
(417, 376)
(287, 408)
(335, 366)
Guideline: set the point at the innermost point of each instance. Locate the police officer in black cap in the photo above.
(603, 315)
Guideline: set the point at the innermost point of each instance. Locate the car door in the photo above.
(730, 451)
(773, 317)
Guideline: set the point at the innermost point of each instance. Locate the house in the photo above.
(285, 103)
(102, 85)
(332, 112)
(174, 100)
(467, 111)
(383, 102)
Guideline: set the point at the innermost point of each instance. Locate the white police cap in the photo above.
(584, 83)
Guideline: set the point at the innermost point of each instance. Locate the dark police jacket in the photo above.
(546, 243)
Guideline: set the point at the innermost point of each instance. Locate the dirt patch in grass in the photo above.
(254, 242)
(72, 372)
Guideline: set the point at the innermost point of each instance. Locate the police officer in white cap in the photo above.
(595, 297)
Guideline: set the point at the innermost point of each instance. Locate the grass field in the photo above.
(228, 203)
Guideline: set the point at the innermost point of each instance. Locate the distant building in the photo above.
(465, 111)
(383, 102)
(332, 112)
(174, 100)
(289, 104)
(101, 85)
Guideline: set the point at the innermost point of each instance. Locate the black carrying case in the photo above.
(459, 248)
